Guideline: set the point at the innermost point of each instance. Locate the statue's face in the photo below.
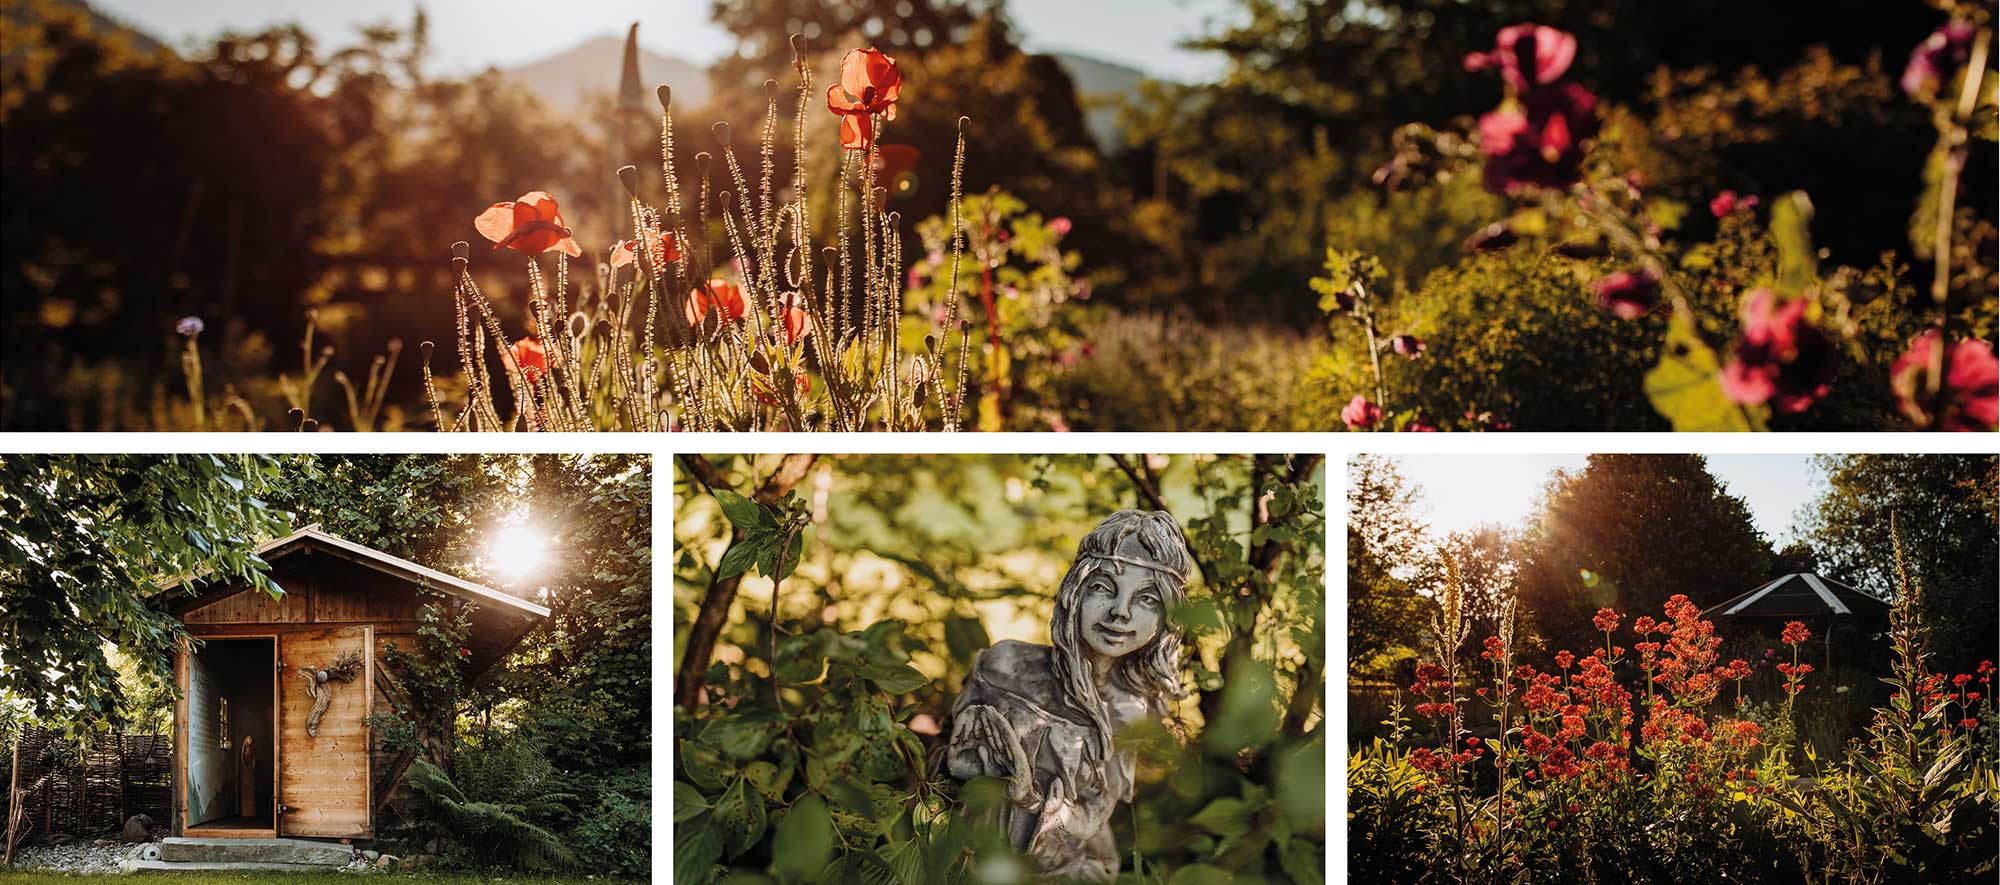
(1121, 613)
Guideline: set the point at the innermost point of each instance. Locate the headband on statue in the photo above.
(1177, 576)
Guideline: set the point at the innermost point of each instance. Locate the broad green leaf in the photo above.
(742, 512)
(743, 734)
(895, 678)
(1301, 783)
(1201, 874)
(964, 636)
(739, 815)
(1249, 714)
(688, 801)
(1791, 231)
(1686, 386)
(704, 764)
(697, 849)
(737, 559)
(1226, 816)
(803, 841)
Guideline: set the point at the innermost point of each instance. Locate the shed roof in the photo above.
(1799, 595)
(313, 537)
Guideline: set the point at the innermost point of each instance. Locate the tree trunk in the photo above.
(715, 602)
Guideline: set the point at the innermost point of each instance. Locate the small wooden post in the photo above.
(14, 809)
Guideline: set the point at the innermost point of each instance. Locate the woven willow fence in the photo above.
(57, 786)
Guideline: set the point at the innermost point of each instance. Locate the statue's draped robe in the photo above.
(1065, 827)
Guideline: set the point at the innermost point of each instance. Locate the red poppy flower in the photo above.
(532, 357)
(722, 295)
(1969, 397)
(660, 245)
(1360, 413)
(530, 224)
(792, 320)
(1541, 143)
(1528, 55)
(1780, 357)
(869, 85)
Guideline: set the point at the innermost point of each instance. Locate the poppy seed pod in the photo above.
(460, 251)
(425, 349)
(963, 124)
(701, 161)
(771, 89)
(799, 47)
(666, 94)
(721, 130)
(629, 177)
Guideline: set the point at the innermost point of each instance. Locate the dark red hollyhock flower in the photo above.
(869, 85)
(1628, 294)
(1780, 358)
(1541, 142)
(532, 358)
(1407, 345)
(1527, 55)
(1929, 62)
(530, 224)
(1969, 397)
(1729, 201)
(1359, 413)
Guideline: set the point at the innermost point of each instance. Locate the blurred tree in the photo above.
(1947, 509)
(85, 541)
(1618, 534)
(1488, 558)
(1388, 555)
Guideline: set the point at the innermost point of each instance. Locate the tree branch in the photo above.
(1153, 499)
(721, 594)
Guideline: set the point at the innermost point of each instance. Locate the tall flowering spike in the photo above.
(1780, 357)
(1968, 399)
(1527, 56)
(531, 224)
(869, 85)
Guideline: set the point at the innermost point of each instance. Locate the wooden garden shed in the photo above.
(271, 732)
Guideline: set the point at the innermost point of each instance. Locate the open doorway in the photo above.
(231, 752)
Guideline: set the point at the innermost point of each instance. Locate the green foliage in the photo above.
(482, 832)
(835, 767)
(86, 541)
(1948, 522)
(1616, 534)
(1384, 542)
(1182, 373)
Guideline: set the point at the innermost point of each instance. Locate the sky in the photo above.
(1458, 492)
(467, 36)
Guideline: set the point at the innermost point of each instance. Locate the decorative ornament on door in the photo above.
(319, 685)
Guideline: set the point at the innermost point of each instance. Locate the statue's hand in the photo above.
(987, 735)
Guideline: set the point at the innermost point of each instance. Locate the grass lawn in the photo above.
(38, 876)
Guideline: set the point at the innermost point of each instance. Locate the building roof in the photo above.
(312, 537)
(1799, 595)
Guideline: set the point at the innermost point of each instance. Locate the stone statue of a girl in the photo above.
(1043, 716)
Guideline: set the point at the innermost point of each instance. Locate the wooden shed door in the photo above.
(323, 772)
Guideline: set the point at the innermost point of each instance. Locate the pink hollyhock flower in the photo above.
(1541, 143)
(1628, 294)
(1360, 413)
(1946, 46)
(1407, 345)
(1780, 357)
(1061, 225)
(1728, 202)
(1527, 55)
(1969, 397)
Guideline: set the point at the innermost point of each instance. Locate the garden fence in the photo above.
(85, 791)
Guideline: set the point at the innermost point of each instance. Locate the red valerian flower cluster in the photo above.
(1536, 138)
(1795, 633)
(1606, 620)
(1780, 357)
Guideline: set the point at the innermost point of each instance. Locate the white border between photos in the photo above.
(1337, 447)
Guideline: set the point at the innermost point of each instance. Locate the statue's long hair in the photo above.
(1152, 672)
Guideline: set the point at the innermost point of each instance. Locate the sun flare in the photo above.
(517, 553)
